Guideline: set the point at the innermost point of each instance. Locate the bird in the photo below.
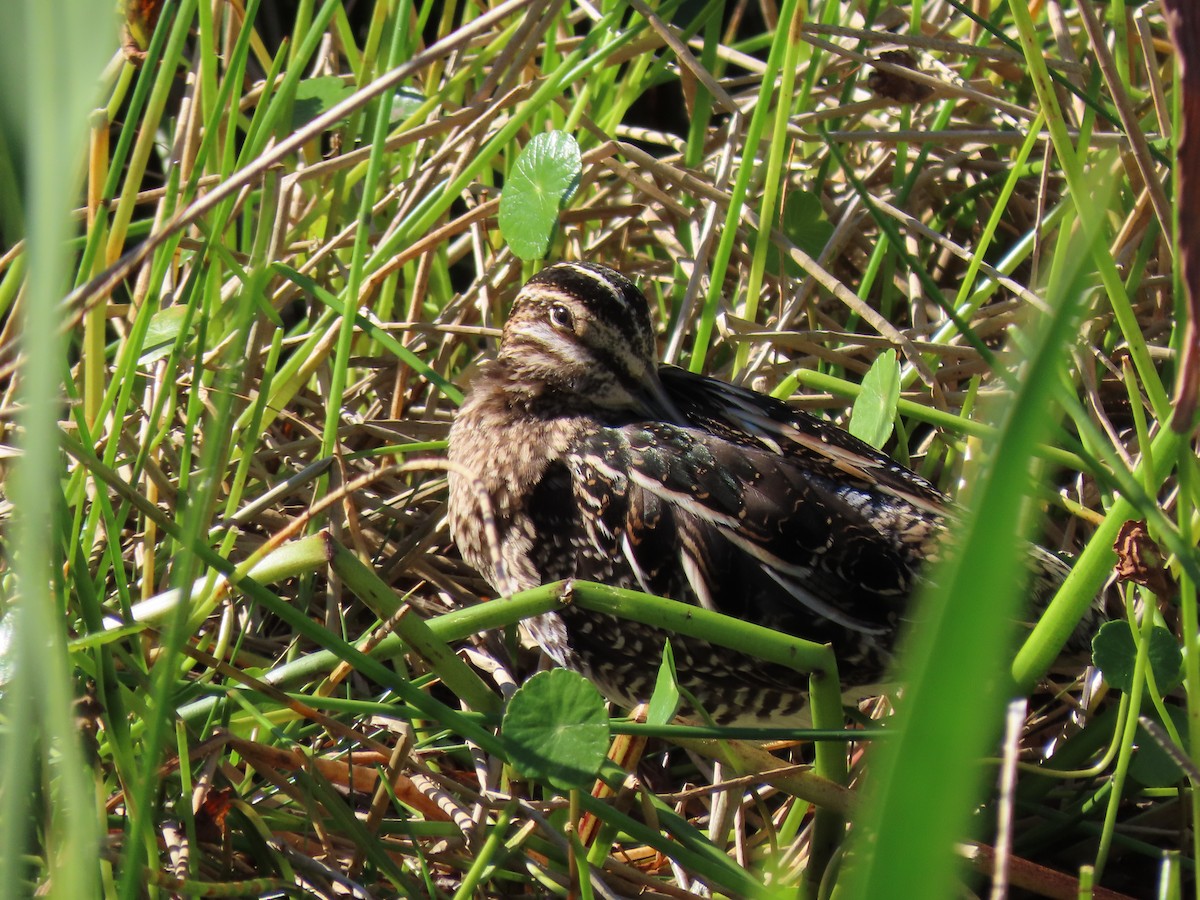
(595, 462)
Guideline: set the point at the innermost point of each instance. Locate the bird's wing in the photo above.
(746, 416)
(745, 530)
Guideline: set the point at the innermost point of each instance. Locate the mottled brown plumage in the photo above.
(599, 464)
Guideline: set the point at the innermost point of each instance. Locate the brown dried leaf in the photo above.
(1139, 560)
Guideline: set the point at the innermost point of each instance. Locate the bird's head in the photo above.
(583, 331)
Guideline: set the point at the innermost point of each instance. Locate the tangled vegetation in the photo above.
(243, 657)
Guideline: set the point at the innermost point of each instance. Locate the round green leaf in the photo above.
(542, 181)
(556, 729)
(1114, 652)
(1166, 659)
(316, 96)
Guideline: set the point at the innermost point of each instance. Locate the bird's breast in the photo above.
(497, 463)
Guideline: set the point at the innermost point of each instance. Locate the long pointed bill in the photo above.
(654, 397)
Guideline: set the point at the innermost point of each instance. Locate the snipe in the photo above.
(600, 464)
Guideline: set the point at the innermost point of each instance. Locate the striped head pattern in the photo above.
(583, 331)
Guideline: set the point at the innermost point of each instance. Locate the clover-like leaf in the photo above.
(556, 729)
(1114, 652)
(543, 180)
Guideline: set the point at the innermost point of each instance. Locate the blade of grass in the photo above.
(1078, 187)
(49, 73)
(924, 783)
(753, 142)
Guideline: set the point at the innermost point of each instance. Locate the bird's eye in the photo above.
(561, 318)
